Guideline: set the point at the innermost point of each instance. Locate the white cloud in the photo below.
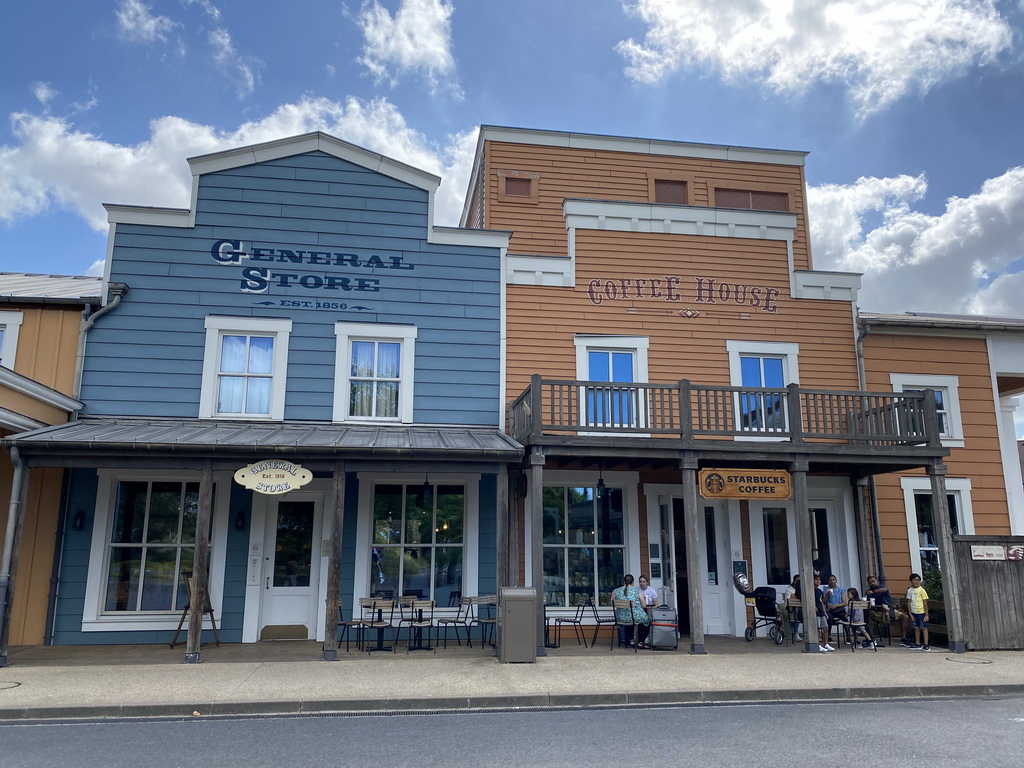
(137, 24)
(878, 49)
(243, 71)
(43, 92)
(967, 259)
(417, 39)
(208, 8)
(53, 165)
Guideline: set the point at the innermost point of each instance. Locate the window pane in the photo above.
(185, 564)
(361, 400)
(129, 513)
(599, 366)
(773, 376)
(387, 399)
(164, 513)
(362, 359)
(388, 357)
(416, 570)
(711, 539)
(447, 573)
(419, 515)
(622, 366)
(581, 516)
(750, 372)
(123, 579)
(554, 515)
(294, 544)
(384, 573)
(451, 505)
(158, 585)
(387, 514)
(581, 574)
(610, 570)
(229, 398)
(232, 354)
(554, 575)
(610, 517)
(257, 398)
(261, 354)
(669, 192)
(190, 509)
(776, 545)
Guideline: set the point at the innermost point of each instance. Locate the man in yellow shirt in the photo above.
(917, 602)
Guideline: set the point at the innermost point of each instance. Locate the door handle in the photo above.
(268, 582)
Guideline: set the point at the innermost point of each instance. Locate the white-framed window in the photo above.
(762, 365)
(374, 372)
(922, 527)
(947, 402)
(143, 538)
(245, 367)
(397, 536)
(615, 360)
(10, 323)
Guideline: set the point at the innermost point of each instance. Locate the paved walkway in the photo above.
(289, 677)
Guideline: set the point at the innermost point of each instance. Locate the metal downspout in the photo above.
(119, 290)
(13, 522)
(862, 383)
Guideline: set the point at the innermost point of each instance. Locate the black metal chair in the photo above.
(417, 618)
(463, 618)
(576, 620)
(598, 619)
(346, 627)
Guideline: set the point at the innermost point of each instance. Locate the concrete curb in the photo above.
(529, 701)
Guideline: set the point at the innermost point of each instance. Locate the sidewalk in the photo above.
(289, 677)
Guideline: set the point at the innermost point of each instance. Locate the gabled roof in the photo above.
(23, 287)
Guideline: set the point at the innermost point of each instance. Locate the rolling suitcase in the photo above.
(664, 628)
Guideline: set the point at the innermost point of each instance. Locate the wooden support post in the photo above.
(200, 566)
(12, 543)
(536, 492)
(501, 576)
(695, 579)
(334, 563)
(947, 561)
(804, 543)
(860, 512)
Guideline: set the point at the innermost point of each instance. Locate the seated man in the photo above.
(885, 611)
(835, 602)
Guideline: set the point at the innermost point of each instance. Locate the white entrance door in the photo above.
(291, 574)
(713, 570)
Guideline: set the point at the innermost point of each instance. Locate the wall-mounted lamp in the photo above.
(425, 491)
(600, 484)
(240, 520)
(78, 521)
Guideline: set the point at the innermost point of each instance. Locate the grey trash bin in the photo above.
(517, 625)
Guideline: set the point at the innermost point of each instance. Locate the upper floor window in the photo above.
(244, 369)
(947, 401)
(762, 365)
(375, 365)
(616, 360)
(518, 186)
(751, 199)
(669, 192)
(10, 322)
(922, 525)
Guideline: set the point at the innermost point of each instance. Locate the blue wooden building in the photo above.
(296, 386)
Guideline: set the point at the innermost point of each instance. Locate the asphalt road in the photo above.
(963, 732)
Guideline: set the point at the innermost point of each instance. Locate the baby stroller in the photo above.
(766, 614)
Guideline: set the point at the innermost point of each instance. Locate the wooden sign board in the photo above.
(745, 484)
(273, 476)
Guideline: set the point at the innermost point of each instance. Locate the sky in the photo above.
(911, 111)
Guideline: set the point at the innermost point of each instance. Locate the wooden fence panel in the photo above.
(992, 593)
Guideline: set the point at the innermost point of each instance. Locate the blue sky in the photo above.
(910, 110)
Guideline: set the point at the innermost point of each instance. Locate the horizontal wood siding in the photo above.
(145, 358)
(606, 175)
(979, 460)
(543, 321)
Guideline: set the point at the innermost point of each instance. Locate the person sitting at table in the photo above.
(857, 620)
(884, 610)
(796, 617)
(649, 593)
(629, 591)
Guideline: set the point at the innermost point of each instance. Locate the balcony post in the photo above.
(695, 580)
(536, 406)
(536, 494)
(802, 513)
(334, 563)
(947, 563)
(685, 410)
(931, 420)
(197, 600)
(796, 420)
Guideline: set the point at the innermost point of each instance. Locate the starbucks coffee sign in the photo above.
(273, 476)
(745, 484)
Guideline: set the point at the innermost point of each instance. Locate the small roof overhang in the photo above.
(93, 440)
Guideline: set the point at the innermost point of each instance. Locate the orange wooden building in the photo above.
(685, 381)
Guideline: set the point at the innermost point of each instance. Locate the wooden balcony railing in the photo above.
(686, 410)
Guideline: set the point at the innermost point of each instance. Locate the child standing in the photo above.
(857, 619)
(819, 609)
(917, 602)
